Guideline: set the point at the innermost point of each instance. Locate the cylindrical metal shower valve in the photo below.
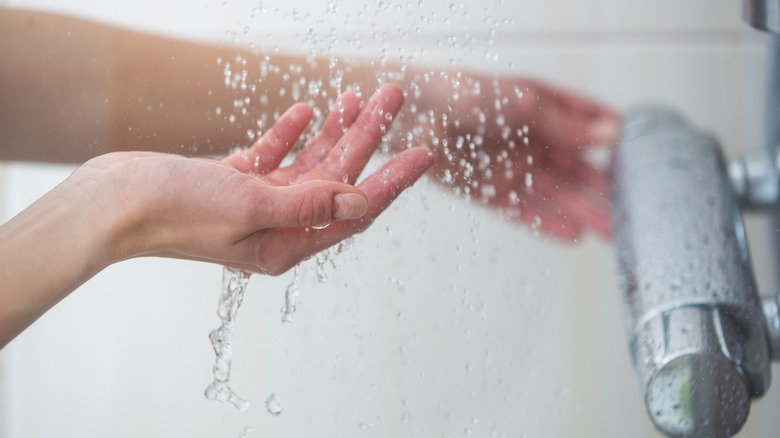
(693, 315)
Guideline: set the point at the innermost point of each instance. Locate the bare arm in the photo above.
(244, 211)
(72, 89)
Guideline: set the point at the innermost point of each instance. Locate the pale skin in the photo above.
(75, 91)
(91, 89)
(256, 217)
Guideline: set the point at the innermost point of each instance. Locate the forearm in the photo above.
(47, 251)
(72, 89)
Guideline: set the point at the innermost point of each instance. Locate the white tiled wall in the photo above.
(442, 320)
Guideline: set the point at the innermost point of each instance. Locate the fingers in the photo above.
(581, 172)
(340, 118)
(382, 188)
(540, 215)
(578, 205)
(345, 161)
(557, 126)
(269, 151)
(310, 204)
(288, 218)
(585, 106)
(278, 249)
(565, 122)
(348, 139)
(564, 119)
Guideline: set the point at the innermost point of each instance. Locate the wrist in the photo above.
(51, 248)
(105, 192)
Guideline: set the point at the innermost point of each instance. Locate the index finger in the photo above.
(348, 157)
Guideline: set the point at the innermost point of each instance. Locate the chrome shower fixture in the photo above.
(701, 339)
(696, 328)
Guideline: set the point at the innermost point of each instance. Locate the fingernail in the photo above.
(605, 130)
(349, 206)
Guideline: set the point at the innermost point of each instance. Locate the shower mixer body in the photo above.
(701, 339)
(694, 319)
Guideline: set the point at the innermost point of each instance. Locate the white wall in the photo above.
(442, 320)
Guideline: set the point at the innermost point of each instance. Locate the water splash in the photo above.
(321, 260)
(328, 256)
(233, 287)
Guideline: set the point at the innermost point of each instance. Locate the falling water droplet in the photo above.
(272, 405)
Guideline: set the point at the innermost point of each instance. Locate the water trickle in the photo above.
(321, 259)
(290, 298)
(233, 287)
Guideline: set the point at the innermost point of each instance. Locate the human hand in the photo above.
(519, 146)
(247, 212)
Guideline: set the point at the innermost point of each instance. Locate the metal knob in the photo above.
(696, 387)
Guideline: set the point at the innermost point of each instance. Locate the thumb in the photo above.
(313, 203)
